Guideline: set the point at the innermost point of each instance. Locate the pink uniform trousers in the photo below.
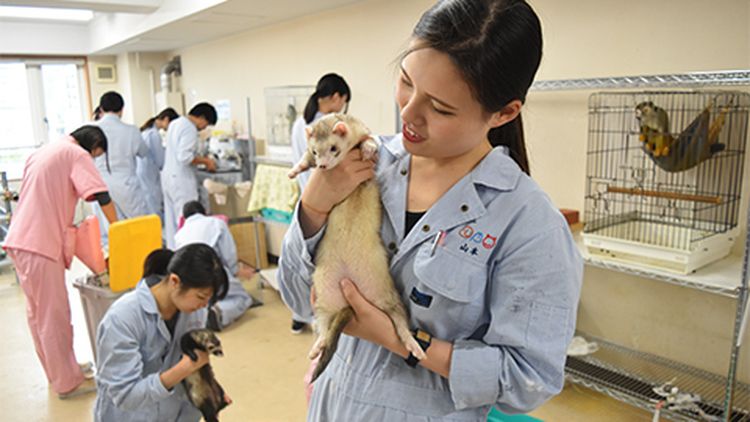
(48, 314)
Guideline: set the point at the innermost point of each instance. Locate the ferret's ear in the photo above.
(308, 132)
(340, 129)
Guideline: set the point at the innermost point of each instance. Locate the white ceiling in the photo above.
(147, 25)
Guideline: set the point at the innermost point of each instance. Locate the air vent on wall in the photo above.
(105, 73)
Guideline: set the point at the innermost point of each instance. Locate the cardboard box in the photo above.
(235, 205)
(245, 239)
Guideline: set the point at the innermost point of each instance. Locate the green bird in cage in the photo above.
(694, 145)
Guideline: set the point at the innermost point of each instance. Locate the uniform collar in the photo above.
(195, 217)
(497, 170)
(149, 306)
(146, 298)
(110, 116)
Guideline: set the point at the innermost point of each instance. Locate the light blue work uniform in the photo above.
(299, 145)
(148, 169)
(124, 144)
(199, 228)
(502, 284)
(133, 347)
(178, 180)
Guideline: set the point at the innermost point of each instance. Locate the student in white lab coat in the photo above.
(140, 364)
(178, 180)
(332, 95)
(200, 228)
(149, 167)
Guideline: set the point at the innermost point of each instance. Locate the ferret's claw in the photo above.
(415, 349)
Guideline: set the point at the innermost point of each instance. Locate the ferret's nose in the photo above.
(322, 166)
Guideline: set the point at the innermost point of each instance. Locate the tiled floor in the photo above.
(262, 370)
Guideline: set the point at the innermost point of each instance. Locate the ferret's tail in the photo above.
(338, 323)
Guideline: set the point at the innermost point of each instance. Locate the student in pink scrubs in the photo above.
(54, 177)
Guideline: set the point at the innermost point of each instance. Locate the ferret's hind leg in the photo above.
(322, 325)
(390, 303)
(397, 313)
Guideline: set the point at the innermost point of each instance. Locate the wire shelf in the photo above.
(631, 376)
(722, 277)
(687, 80)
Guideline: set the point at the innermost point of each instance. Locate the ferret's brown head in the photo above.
(208, 340)
(329, 139)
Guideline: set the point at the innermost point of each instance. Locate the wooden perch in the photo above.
(665, 194)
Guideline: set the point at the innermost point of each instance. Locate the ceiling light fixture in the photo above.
(46, 13)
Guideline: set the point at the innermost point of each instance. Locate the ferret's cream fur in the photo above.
(351, 246)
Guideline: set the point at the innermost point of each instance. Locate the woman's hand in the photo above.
(326, 188)
(183, 369)
(195, 365)
(370, 323)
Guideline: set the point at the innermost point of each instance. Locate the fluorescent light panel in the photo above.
(48, 13)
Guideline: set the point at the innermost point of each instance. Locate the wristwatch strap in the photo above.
(424, 339)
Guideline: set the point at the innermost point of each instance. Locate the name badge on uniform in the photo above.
(421, 299)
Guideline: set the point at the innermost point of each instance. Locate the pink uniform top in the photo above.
(54, 177)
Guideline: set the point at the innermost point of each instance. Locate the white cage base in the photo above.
(663, 257)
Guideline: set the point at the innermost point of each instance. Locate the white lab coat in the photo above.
(178, 179)
(215, 233)
(148, 169)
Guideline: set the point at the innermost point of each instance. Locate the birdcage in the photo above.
(664, 176)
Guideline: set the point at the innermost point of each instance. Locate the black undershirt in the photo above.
(411, 220)
(172, 323)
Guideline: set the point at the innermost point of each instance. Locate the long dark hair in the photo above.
(90, 137)
(168, 112)
(198, 267)
(328, 85)
(497, 46)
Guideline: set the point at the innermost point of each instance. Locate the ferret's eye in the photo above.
(334, 148)
(315, 152)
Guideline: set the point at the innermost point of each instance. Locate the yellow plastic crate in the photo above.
(130, 242)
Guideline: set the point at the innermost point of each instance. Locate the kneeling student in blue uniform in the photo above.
(200, 228)
(139, 359)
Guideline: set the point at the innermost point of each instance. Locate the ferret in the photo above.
(351, 246)
(202, 388)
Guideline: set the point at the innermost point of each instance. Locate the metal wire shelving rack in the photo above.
(629, 375)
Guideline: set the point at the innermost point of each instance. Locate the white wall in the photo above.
(359, 42)
(589, 38)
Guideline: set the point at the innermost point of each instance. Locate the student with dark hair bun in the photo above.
(332, 95)
(40, 243)
(485, 263)
(140, 364)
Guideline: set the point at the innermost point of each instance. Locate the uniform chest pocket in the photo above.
(454, 289)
